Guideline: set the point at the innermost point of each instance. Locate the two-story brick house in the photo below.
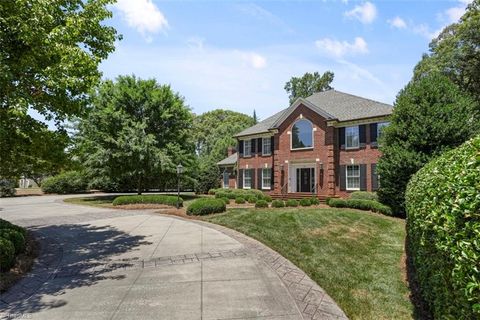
(325, 145)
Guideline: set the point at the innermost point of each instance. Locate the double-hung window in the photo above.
(352, 137)
(353, 177)
(266, 146)
(247, 148)
(266, 178)
(247, 179)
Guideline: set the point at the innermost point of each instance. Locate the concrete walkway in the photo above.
(112, 264)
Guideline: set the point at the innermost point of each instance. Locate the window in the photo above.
(247, 148)
(302, 134)
(267, 146)
(353, 177)
(352, 137)
(380, 127)
(247, 179)
(266, 178)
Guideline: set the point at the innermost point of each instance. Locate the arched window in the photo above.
(302, 134)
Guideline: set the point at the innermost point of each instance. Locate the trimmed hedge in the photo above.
(278, 204)
(315, 201)
(368, 205)
(17, 239)
(7, 188)
(234, 193)
(148, 198)
(251, 199)
(4, 224)
(305, 202)
(291, 203)
(7, 254)
(66, 182)
(443, 232)
(267, 198)
(226, 200)
(239, 200)
(205, 206)
(364, 195)
(261, 204)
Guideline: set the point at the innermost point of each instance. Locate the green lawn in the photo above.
(355, 256)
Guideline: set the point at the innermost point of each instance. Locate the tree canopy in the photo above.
(308, 84)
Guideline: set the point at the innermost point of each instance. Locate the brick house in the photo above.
(325, 145)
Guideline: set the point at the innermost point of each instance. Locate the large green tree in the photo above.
(135, 134)
(431, 115)
(308, 84)
(49, 57)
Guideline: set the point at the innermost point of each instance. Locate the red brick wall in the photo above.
(255, 161)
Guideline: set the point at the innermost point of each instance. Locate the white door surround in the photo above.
(292, 174)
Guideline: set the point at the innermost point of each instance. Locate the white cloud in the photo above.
(454, 14)
(255, 60)
(339, 49)
(142, 15)
(365, 13)
(196, 43)
(398, 23)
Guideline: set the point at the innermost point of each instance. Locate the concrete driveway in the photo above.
(112, 264)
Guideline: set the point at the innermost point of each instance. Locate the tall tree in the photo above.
(49, 57)
(135, 134)
(308, 84)
(431, 115)
(255, 119)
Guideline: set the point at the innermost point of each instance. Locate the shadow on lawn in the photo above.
(86, 259)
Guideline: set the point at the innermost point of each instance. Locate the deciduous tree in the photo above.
(308, 84)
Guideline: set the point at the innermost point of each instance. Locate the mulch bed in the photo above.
(23, 264)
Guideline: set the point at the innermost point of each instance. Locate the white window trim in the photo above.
(347, 176)
(251, 178)
(269, 186)
(313, 136)
(346, 140)
(250, 148)
(269, 139)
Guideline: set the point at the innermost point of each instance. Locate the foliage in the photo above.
(308, 84)
(17, 239)
(443, 228)
(208, 176)
(7, 188)
(7, 254)
(364, 195)
(204, 206)
(49, 57)
(136, 133)
(360, 204)
(455, 52)
(150, 199)
(226, 200)
(239, 200)
(278, 203)
(66, 182)
(233, 193)
(261, 204)
(291, 203)
(305, 202)
(251, 199)
(314, 201)
(4, 224)
(430, 116)
(267, 198)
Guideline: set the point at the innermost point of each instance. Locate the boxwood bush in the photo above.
(239, 200)
(261, 204)
(7, 254)
(226, 200)
(305, 202)
(314, 201)
(15, 237)
(443, 232)
(205, 206)
(364, 195)
(4, 224)
(267, 198)
(292, 203)
(147, 199)
(251, 199)
(7, 188)
(369, 205)
(66, 182)
(278, 204)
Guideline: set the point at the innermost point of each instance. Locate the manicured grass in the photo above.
(355, 256)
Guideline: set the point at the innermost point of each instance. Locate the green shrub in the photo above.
(261, 204)
(239, 200)
(305, 202)
(278, 204)
(369, 205)
(205, 206)
(364, 195)
(314, 201)
(443, 228)
(7, 188)
(7, 254)
(212, 191)
(226, 200)
(327, 200)
(66, 182)
(147, 199)
(221, 194)
(17, 239)
(292, 203)
(267, 198)
(4, 224)
(251, 199)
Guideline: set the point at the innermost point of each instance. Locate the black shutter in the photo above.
(373, 134)
(343, 178)
(240, 148)
(272, 140)
(341, 138)
(260, 142)
(362, 130)
(259, 178)
(374, 177)
(240, 179)
(272, 185)
(363, 177)
(253, 145)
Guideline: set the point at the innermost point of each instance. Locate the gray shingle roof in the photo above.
(331, 104)
(231, 160)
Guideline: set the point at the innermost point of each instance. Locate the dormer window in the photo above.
(302, 135)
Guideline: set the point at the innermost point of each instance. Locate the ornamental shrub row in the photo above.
(147, 199)
(12, 242)
(364, 195)
(443, 232)
(360, 204)
(244, 193)
(205, 206)
(66, 182)
(261, 204)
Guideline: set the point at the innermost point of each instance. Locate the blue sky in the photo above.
(238, 55)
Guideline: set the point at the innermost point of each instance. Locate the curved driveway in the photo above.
(113, 264)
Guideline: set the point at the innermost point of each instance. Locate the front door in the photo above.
(305, 179)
